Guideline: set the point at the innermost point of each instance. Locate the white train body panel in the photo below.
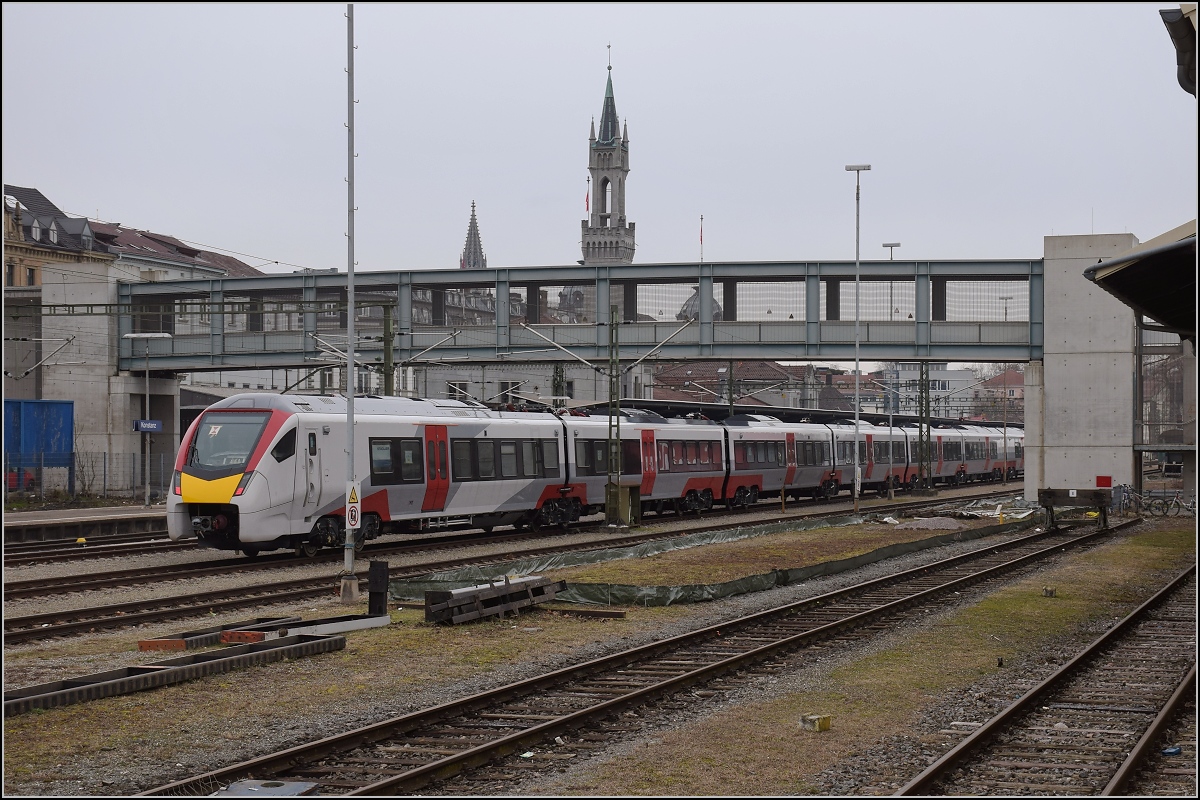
(263, 471)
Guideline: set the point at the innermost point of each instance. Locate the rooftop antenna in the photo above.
(610, 56)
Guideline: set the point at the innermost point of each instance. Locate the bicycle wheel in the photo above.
(1158, 507)
(1173, 508)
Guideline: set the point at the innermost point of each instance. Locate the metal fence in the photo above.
(88, 474)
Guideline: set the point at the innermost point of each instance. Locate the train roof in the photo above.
(370, 405)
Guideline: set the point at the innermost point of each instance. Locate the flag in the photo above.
(701, 230)
(587, 201)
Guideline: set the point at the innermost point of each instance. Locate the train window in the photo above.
(485, 458)
(693, 453)
(993, 449)
(550, 458)
(312, 444)
(706, 452)
(583, 456)
(881, 456)
(529, 465)
(225, 440)
(716, 455)
(381, 458)
(826, 454)
(664, 457)
(395, 461)
(463, 464)
(677, 454)
(431, 450)
(952, 451)
(410, 460)
(739, 454)
(285, 448)
(601, 459)
(1017, 450)
(443, 466)
(508, 459)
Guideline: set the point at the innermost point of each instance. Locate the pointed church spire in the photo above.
(609, 124)
(472, 255)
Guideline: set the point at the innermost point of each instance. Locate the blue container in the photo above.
(39, 429)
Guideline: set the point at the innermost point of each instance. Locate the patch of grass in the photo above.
(759, 748)
(727, 561)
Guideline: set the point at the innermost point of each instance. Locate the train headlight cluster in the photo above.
(243, 484)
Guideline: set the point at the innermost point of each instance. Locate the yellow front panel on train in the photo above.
(198, 490)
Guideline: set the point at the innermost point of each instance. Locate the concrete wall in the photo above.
(1080, 398)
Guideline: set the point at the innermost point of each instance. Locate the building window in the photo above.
(569, 388)
(506, 391)
(10, 274)
(458, 390)
(30, 276)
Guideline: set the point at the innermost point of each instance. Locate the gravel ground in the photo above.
(93, 774)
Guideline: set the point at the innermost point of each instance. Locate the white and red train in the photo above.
(260, 472)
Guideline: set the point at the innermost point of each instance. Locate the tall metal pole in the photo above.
(1004, 401)
(146, 434)
(857, 169)
(350, 369)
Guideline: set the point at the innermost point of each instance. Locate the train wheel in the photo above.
(753, 495)
(308, 549)
(360, 540)
(707, 497)
(250, 552)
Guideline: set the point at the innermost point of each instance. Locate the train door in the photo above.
(649, 462)
(310, 473)
(437, 467)
(790, 460)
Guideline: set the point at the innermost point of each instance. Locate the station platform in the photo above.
(72, 523)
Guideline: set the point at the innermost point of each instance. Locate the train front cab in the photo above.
(235, 472)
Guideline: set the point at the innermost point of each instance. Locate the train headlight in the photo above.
(243, 484)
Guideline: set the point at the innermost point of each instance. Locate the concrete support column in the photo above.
(1035, 433)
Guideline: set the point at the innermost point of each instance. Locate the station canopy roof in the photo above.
(1157, 279)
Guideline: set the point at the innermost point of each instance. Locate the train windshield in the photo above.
(226, 439)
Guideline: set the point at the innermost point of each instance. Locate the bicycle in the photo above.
(1130, 500)
(1173, 507)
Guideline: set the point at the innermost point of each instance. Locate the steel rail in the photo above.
(1142, 750)
(924, 782)
(18, 589)
(752, 629)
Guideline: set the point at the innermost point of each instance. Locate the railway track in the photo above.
(18, 589)
(576, 707)
(153, 541)
(1088, 727)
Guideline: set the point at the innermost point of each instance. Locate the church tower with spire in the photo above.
(472, 255)
(608, 238)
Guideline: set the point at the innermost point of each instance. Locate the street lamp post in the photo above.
(147, 337)
(857, 169)
(1004, 400)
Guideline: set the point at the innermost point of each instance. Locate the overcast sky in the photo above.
(987, 126)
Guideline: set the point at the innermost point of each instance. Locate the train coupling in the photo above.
(203, 525)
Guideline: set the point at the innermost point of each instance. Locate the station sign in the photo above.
(148, 425)
(353, 505)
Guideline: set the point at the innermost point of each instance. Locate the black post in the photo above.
(377, 588)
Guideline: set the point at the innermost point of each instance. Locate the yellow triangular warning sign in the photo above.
(353, 495)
